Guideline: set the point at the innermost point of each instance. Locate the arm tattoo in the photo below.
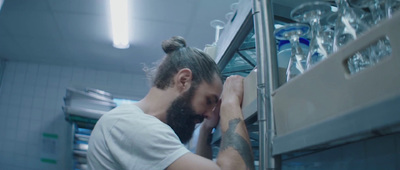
(232, 139)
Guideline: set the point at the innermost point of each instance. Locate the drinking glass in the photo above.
(234, 6)
(284, 50)
(329, 21)
(391, 6)
(321, 39)
(218, 25)
(348, 27)
(376, 7)
(380, 9)
(297, 62)
(382, 48)
(229, 16)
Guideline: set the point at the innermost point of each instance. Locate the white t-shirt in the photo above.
(127, 138)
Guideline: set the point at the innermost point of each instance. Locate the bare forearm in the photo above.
(203, 147)
(235, 149)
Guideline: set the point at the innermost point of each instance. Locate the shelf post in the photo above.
(267, 80)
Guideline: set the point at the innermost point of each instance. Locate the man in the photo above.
(186, 89)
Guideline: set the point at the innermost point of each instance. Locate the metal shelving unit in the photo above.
(339, 109)
(83, 108)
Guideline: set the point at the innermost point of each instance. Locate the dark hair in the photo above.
(178, 57)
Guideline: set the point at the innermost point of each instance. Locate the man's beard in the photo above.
(181, 116)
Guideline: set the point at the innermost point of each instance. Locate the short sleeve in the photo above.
(144, 144)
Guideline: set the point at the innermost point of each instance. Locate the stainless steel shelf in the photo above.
(82, 137)
(82, 112)
(236, 55)
(83, 108)
(326, 106)
(89, 94)
(80, 153)
(365, 122)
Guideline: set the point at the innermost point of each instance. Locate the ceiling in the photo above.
(78, 32)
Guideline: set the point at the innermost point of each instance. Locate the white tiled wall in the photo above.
(31, 96)
(372, 154)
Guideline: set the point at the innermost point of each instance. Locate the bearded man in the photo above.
(187, 88)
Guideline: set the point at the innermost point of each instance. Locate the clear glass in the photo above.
(378, 13)
(376, 7)
(228, 16)
(218, 25)
(391, 6)
(234, 6)
(321, 39)
(348, 27)
(330, 19)
(297, 62)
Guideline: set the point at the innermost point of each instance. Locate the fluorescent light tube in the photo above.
(1, 4)
(119, 20)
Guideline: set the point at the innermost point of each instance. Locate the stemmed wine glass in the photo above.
(347, 28)
(211, 49)
(218, 25)
(321, 40)
(230, 15)
(297, 62)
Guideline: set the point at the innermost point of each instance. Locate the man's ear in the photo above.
(183, 79)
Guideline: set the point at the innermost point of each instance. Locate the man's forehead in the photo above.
(213, 88)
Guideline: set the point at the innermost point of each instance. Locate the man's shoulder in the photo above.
(132, 117)
(124, 111)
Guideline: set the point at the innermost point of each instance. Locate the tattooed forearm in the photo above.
(232, 139)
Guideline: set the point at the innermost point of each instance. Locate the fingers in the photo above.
(234, 81)
(234, 78)
(233, 88)
(213, 119)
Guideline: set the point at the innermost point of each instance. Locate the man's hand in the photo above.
(212, 121)
(235, 150)
(232, 93)
(233, 90)
(203, 144)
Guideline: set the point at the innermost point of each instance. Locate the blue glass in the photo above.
(297, 62)
(321, 40)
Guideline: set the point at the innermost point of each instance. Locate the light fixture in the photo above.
(1, 4)
(119, 20)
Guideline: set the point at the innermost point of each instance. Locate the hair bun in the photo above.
(173, 44)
